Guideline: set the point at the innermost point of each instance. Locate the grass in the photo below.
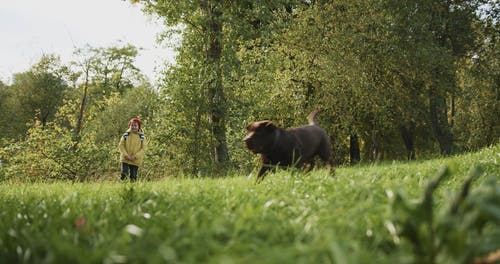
(289, 218)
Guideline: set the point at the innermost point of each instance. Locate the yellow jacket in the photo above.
(133, 144)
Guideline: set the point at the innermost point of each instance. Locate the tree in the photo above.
(5, 110)
(212, 31)
(331, 56)
(449, 27)
(36, 94)
(115, 70)
(477, 123)
(104, 71)
(384, 71)
(205, 19)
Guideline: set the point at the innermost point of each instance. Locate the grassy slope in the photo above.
(290, 217)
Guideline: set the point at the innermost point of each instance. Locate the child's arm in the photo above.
(122, 148)
(140, 154)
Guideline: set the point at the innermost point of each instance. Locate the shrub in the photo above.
(53, 153)
(459, 232)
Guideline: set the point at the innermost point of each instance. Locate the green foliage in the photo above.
(116, 111)
(108, 69)
(376, 67)
(464, 228)
(405, 78)
(33, 97)
(50, 153)
(478, 123)
(54, 151)
(289, 217)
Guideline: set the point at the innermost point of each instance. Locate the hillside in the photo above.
(355, 216)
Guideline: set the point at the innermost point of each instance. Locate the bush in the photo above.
(463, 231)
(53, 153)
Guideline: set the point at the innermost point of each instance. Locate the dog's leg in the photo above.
(309, 166)
(326, 156)
(263, 169)
(329, 165)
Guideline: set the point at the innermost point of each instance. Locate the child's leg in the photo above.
(133, 172)
(125, 169)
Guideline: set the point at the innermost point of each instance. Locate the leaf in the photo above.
(134, 230)
(492, 211)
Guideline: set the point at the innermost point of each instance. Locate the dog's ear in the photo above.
(253, 126)
(261, 125)
(268, 125)
(250, 126)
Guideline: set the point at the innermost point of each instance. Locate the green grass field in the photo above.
(290, 217)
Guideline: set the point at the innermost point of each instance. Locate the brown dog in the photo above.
(280, 147)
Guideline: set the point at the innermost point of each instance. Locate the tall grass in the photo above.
(290, 217)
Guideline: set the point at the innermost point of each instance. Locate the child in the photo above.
(132, 146)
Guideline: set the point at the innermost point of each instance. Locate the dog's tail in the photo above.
(312, 117)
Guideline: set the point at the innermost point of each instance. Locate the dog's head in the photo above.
(261, 136)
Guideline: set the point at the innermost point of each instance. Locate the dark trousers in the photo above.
(126, 168)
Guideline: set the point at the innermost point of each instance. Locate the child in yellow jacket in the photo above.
(132, 147)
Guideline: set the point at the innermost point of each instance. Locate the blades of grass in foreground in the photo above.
(289, 218)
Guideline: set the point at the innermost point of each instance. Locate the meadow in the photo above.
(360, 214)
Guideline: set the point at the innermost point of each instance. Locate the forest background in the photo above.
(396, 80)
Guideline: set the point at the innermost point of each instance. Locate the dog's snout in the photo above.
(248, 142)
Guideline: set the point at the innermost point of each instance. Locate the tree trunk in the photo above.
(439, 122)
(217, 103)
(354, 152)
(79, 123)
(408, 135)
(376, 147)
(196, 136)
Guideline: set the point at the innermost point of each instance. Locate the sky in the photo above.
(31, 28)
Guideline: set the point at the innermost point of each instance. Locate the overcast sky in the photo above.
(30, 28)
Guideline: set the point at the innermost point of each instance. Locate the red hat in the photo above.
(135, 119)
